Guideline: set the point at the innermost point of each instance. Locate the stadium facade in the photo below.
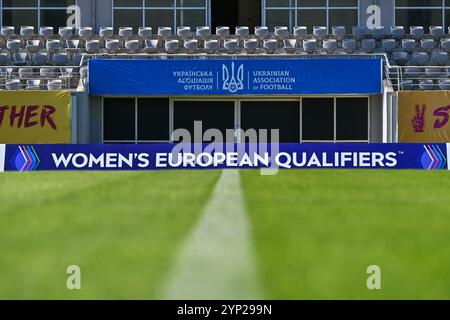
(136, 70)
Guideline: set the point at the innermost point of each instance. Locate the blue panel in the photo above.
(236, 77)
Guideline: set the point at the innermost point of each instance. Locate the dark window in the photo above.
(213, 114)
(53, 18)
(318, 119)
(119, 119)
(128, 18)
(15, 17)
(344, 17)
(158, 18)
(281, 115)
(57, 3)
(352, 119)
(422, 17)
(153, 119)
(191, 18)
(281, 17)
(418, 3)
(312, 17)
(20, 3)
(127, 3)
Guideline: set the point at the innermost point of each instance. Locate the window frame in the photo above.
(443, 7)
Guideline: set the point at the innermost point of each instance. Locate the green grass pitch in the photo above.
(313, 233)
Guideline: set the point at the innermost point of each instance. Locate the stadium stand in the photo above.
(418, 59)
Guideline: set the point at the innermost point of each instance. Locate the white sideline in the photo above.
(2, 157)
(448, 156)
(217, 260)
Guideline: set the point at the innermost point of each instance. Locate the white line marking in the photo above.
(2, 157)
(448, 156)
(217, 260)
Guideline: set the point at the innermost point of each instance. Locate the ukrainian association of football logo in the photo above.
(233, 78)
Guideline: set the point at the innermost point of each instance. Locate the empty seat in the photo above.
(281, 31)
(250, 45)
(261, 31)
(145, 32)
(359, 32)
(445, 44)
(310, 46)
(231, 45)
(349, 45)
(270, 45)
(320, 32)
(53, 45)
(164, 32)
(54, 84)
(426, 84)
(4, 59)
(416, 31)
(413, 72)
(290, 45)
(436, 31)
(106, 32)
(409, 45)
(439, 58)
(378, 32)
(46, 32)
(184, 32)
(20, 58)
(191, 45)
(300, 31)
(151, 45)
(47, 72)
(132, 45)
(8, 32)
(203, 32)
(330, 45)
(112, 46)
(397, 32)
(419, 58)
(222, 32)
(211, 46)
(389, 45)
(400, 58)
(433, 72)
(25, 73)
(126, 32)
(72, 45)
(242, 32)
(92, 46)
(368, 45)
(12, 84)
(171, 46)
(65, 32)
(407, 84)
(444, 84)
(13, 45)
(33, 46)
(339, 32)
(85, 32)
(60, 58)
(34, 84)
(428, 44)
(27, 31)
(40, 58)
(76, 58)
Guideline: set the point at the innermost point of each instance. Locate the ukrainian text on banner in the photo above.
(34, 117)
(229, 156)
(423, 116)
(236, 77)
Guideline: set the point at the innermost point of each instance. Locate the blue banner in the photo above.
(235, 77)
(222, 156)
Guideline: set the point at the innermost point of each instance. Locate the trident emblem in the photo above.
(235, 82)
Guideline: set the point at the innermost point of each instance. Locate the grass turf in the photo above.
(122, 229)
(316, 232)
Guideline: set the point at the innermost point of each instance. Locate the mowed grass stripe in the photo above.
(217, 259)
(316, 232)
(122, 229)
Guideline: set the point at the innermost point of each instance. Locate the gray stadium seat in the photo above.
(359, 32)
(290, 45)
(434, 72)
(445, 44)
(25, 73)
(13, 45)
(426, 84)
(132, 45)
(261, 31)
(211, 46)
(47, 72)
(428, 44)
(4, 59)
(417, 32)
(389, 45)
(145, 32)
(171, 46)
(40, 58)
(85, 32)
(54, 84)
(368, 45)
(419, 58)
(378, 32)
(320, 32)
(310, 46)
(203, 32)
(300, 31)
(251, 45)
(53, 45)
(436, 31)
(12, 84)
(33, 46)
(112, 46)
(125, 32)
(46, 32)
(8, 32)
(191, 45)
(339, 32)
(242, 31)
(34, 84)
(76, 58)
(72, 46)
(400, 58)
(439, 58)
(106, 32)
(27, 31)
(231, 45)
(409, 45)
(164, 32)
(413, 72)
(281, 32)
(444, 84)
(407, 84)
(270, 45)
(349, 45)
(330, 45)
(151, 45)
(65, 32)
(184, 32)
(92, 46)
(397, 32)
(60, 59)
(222, 32)
(20, 58)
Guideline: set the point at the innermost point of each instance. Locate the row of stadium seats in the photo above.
(319, 32)
(428, 84)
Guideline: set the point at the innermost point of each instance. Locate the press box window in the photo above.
(352, 119)
(153, 120)
(119, 119)
(318, 119)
